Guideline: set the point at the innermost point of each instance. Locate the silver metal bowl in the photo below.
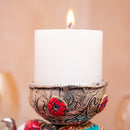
(68, 105)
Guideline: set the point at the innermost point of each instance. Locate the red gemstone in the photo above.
(57, 102)
(57, 114)
(36, 125)
(103, 104)
(31, 125)
(71, 128)
(60, 112)
(28, 124)
(62, 109)
(51, 100)
(63, 129)
(62, 104)
(49, 106)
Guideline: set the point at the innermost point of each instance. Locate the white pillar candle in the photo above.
(68, 57)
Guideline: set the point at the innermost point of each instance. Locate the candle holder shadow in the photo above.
(68, 105)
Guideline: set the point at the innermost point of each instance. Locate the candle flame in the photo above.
(70, 19)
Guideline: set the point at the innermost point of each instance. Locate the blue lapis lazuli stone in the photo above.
(56, 107)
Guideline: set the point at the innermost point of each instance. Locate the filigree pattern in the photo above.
(81, 103)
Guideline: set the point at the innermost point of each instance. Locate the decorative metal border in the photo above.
(94, 85)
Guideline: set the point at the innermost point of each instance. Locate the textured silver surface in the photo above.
(81, 101)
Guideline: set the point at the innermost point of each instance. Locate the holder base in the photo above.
(40, 125)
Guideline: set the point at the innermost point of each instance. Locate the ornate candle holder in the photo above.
(67, 107)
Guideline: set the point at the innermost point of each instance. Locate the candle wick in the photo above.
(70, 25)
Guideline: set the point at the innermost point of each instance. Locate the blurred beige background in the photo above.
(19, 19)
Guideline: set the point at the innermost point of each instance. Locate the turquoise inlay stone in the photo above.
(94, 127)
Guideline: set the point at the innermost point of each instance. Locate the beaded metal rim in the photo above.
(103, 83)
